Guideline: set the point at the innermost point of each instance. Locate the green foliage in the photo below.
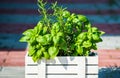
(60, 34)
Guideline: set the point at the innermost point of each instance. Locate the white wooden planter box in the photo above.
(62, 67)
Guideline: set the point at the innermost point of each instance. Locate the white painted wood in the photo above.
(92, 69)
(62, 76)
(28, 60)
(92, 76)
(42, 69)
(62, 69)
(81, 68)
(92, 60)
(64, 60)
(31, 76)
(31, 69)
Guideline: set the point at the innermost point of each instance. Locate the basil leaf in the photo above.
(66, 14)
(82, 36)
(53, 51)
(56, 40)
(94, 46)
(31, 50)
(60, 34)
(28, 32)
(94, 29)
(96, 38)
(79, 50)
(42, 40)
(87, 44)
(48, 37)
(63, 44)
(45, 30)
(46, 55)
(39, 53)
(24, 39)
(35, 58)
(82, 18)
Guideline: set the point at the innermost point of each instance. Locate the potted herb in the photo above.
(60, 45)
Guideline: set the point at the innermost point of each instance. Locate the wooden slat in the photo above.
(62, 69)
(92, 76)
(92, 60)
(92, 69)
(31, 76)
(28, 60)
(64, 60)
(81, 67)
(62, 76)
(31, 69)
(42, 69)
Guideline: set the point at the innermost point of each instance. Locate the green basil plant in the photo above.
(60, 33)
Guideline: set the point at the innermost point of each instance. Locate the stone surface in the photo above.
(12, 72)
(19, 72)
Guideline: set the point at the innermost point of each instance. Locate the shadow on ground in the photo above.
(109, 72)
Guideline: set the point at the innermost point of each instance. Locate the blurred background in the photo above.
(18, 15)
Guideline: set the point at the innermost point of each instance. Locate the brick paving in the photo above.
(17, 58)
(12, 58)
(15, 19)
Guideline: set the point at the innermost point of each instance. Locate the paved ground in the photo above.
(12, 72)
(17, 58)
(19, 72)
(19, 15)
